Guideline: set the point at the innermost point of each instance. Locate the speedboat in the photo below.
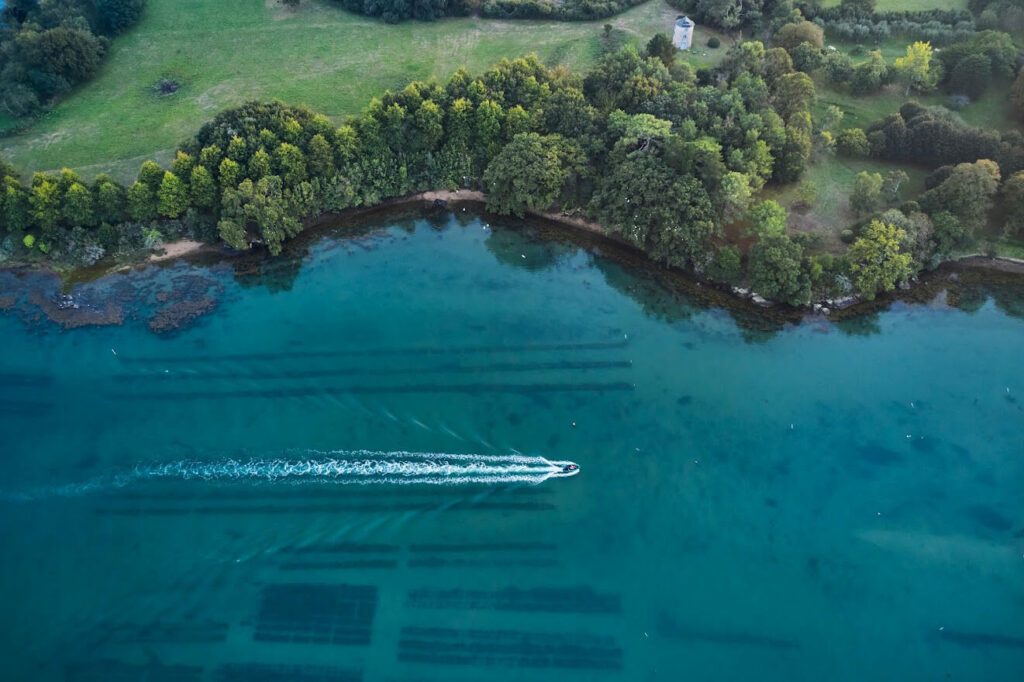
(565, 469)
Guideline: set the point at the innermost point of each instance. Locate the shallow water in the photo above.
(809, 504)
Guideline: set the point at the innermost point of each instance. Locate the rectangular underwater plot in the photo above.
(484, 555)
(341, 547)
(117, 671)
(303, 613)
(508, 648)
(441, 562)
(549, 600)
(271, 672)
(339, 556)
(485, 547)
(354, 564)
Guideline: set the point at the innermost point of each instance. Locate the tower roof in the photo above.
(684, 22)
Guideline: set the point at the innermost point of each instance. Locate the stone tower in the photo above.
(683, 36)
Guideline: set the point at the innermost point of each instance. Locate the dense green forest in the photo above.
(672, 159)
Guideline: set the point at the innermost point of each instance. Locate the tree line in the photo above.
(852, 20)
(47, 48)
(394, 11)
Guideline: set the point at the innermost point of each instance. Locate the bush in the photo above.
(714, 42)
(852, 142)
(725, 265)
(847, 236)
(806, 193)
(29, 241)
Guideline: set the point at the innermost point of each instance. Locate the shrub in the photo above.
(725, 265)
(108, 237)
(847, 236)
(29, 241)
(806, 193)
(152, 237)
(714, 42)
(852, 142)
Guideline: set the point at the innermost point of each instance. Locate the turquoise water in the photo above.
(257, 494)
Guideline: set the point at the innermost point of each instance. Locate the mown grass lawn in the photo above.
(834, 178)
(229, 51)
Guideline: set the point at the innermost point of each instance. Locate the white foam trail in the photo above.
(446, 429)
(420, 424)
(360, 467)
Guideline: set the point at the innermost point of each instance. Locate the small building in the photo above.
(683, 35)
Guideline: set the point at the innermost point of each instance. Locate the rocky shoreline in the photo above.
(573, 227)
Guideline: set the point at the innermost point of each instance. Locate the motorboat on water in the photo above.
(566, 469)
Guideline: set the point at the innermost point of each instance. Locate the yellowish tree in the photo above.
(915, 70)
(878, 264)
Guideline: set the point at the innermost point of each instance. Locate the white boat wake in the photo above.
(358, 467)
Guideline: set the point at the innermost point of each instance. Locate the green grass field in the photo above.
(229, 51)
(834, 179)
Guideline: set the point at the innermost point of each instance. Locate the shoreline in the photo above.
(569, 226)
(178, 249)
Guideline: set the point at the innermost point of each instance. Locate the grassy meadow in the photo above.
(225, 52)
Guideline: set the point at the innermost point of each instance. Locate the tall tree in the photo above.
(1017, 96)
(878, 264)
(229, 173)
(45, 201)
(915, 69)
(15, 217)
(767, 219)
(291, 163)
(735, 195)
(967, 193)
(792, 35)
(868, 77)
(867, 192)
(77, 207)
(661, 47)
(794, 92)
(320, 157)
(142, 203)
(202, 189)
(1013, 205)
(110, 200)
(530, 173)
(172, 197)
(774, 268)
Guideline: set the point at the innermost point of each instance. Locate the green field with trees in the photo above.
(226, 52)
(839, 171)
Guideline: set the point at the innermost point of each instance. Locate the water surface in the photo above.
(821, 502)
